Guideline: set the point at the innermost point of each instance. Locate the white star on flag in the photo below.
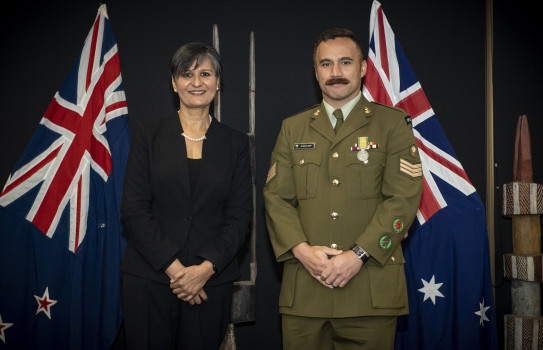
(3, 327)
(482, 312)
(45, 303)
(431, 290)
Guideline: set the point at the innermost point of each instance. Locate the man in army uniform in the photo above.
(343, 187)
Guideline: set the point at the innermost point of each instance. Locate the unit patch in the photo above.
(397, 225)
(271, 172)
(385, 242)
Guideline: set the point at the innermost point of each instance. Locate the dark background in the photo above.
(443, 40)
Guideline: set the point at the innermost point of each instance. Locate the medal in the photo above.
(363, 156)
(362, 146)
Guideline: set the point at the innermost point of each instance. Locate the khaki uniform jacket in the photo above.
(319, 191)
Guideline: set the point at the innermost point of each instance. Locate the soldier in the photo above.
(343, 187)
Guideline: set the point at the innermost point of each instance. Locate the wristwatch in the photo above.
(361, 253)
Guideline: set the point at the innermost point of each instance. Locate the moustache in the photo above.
(337, 81)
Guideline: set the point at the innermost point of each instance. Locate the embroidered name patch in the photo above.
(410, 169)
(307, 145)
(271, 172)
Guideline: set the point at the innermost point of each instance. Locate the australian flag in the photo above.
(60, 233)
(451, 305)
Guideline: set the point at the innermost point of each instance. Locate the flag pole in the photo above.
(217, 105)
(489, 97)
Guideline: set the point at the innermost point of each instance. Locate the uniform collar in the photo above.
(346, 109)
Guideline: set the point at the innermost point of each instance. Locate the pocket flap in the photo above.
(302, 158)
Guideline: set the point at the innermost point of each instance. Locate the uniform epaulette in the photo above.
(305, 110)
(395, 108)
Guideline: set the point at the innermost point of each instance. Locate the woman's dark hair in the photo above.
(189, 53)
(333, 33)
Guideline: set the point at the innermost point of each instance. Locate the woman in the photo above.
(186, 209)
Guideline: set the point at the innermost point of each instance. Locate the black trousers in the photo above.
(154, 318)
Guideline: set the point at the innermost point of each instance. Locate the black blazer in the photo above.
(162, 220)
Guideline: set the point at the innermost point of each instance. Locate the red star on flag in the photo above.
(45, 303)
(3, 327)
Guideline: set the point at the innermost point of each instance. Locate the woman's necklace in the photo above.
(195, 140)
(200, 138)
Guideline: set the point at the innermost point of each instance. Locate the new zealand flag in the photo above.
(60, 231)
(451, 305)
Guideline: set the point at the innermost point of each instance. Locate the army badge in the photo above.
(397, 225)
(413, 151)
(385, 242)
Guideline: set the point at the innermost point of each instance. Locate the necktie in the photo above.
(339, 119)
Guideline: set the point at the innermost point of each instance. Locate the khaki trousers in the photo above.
(315, 333)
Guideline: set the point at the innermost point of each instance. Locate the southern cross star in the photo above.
(431, 290)
(45, 303)
(482, 312)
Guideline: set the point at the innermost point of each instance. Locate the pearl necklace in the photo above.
(195, 140)
(200, 138)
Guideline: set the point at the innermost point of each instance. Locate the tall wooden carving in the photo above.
(523, 202)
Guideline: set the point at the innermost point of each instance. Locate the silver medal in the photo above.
(363, 156)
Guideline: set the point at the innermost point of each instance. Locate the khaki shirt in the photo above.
(361, 186)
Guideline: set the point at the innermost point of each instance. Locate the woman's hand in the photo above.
(188, 282)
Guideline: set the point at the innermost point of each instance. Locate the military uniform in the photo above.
(361, 186)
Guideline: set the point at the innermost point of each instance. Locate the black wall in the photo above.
(443, 40)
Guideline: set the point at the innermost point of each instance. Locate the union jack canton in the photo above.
(55, 169)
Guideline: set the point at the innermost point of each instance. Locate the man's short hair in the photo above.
(333, 33)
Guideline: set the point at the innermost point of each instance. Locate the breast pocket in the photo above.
(364, 179)
(305, 168)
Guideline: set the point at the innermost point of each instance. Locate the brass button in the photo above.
(333, 246)
(335, 182)
(335, 155)
(302, 161)
(334, 215)
(393, 258)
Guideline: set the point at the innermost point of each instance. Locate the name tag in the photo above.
(307, 145)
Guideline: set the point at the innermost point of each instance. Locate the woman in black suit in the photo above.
(186, 209)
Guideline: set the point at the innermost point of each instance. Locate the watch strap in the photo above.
(360, 253)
